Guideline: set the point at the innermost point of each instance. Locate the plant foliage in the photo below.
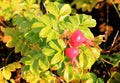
(37, 36)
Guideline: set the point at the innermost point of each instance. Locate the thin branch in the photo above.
(8, 56)
(107, 62)
(116, 9)
(114, 41)
(106, 68)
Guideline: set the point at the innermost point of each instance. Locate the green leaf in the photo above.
(44, 32)
(61, 68)
(6, 73)
(24, 25)
(54, 45)
(25, 68)
(115, 78)
(100, 80)
(53, 19)
(18, 19)
(89, 23)
(12, 32)
(86, 21)
(43, 62)
(53, 8)
(68, 73)
(62, 44)
(24, 49)
(65, 10)
(78, 73)
(83, 60)
(34, 38)
(92, 55)
(70, 26)
(26, 60)
(29, 77)
(31, 37)
(57, 58)
(46, 20)
(74, 20)
(18, 46)
(48, 51)
(48, 77)
(92, 78)
(37, 25)
(34, 67)
(87, 33)
(52, 35)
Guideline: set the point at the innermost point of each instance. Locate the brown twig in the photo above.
(114, 41)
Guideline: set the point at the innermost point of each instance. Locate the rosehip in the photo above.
(72, 53)
(77, 38)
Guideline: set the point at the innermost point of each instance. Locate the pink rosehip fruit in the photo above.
(77, 38)
(72, 53)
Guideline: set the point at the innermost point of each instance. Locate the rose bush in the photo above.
(46, 56)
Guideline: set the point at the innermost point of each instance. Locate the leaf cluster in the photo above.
(37, 37)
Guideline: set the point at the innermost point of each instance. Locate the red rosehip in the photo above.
(77, 38)
(72, 53)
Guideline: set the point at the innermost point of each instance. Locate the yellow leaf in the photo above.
(2, 29)
(1, 76)
(6, 73)
(6, 38)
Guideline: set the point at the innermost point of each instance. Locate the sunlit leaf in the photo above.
(6, 73)
(12, 80)
(92, 78)
(11, 43)
(48, 77)
(52, 35)
(54, 45)
(44, 32)
(53, 9)
(7, 39)
(65, 10)
(46, 20)
(56, 58)
(89, 23)
(62, 44)
(37, 25)
(86, 21)
(74, 20)
(92, 55)
(34, 67)
(26, 60)
(11, 67)
(87, 33)
(68, 73)
(48, 51)
(43, 62)
(83, 60)
(1, 75)
(17, 65)
(78, 73)
(28, 76)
